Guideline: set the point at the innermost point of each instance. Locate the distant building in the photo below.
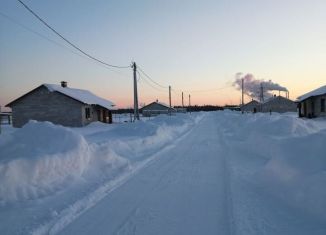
(60, 105)
(312, 104)
(231, 107)
(252, 106)
(156, 108)
(279, 104)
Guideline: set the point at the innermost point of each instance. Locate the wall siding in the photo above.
(43, 105)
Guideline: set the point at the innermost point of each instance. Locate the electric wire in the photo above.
(178, 90)
(67, 41)
(68, 49)
(149, 84)
(142, 71)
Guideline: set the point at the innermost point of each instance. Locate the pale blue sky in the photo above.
(190, 45)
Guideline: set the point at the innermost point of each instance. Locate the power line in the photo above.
(151, 78)
(178, 90)
(12, 20)
(149, 84)
(67, 41)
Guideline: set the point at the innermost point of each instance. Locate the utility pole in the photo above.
(189, 101)
(136, 111)
(182, 100)
(0, 119)
(261, 93)
(242, 102)
(170, 96)
(261, 97)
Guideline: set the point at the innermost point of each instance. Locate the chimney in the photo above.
(64, 83)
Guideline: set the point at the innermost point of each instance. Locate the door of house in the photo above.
(110, 117)
(103, 115)
(98, 115)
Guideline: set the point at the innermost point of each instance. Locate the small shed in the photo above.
(156, 108)
(312, 104)
(279, 104)
(60, 105)
(252, 106)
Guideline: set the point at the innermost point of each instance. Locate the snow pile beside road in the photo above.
(42, 158)
(297, 172)
(137, 141)
(284, 156)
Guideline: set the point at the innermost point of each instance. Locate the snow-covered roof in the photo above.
(316, 92)
(83, 96)
(159, 103)
(252, 102)
(162, 104)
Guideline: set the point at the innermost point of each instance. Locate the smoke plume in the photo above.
(252, 86)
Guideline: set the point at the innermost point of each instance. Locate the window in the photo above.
(87, 113)
(322, 105)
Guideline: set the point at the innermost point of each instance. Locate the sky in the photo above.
(195, 46)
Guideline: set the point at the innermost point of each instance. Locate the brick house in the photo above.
(60, 105)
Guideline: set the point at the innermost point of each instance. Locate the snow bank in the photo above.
(137, 141)
(42, 158)
(282, 155)
(297, 173)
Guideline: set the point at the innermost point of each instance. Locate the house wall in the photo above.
(93, 115)
(156, 109)
(43, 105)
(250, 107)
(97, 113)
(280, 105)
(313, 107)
(317, 111)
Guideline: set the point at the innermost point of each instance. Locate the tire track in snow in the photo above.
(129, 226)
(70, 214)
(227, 179)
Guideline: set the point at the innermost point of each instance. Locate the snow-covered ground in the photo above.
(204, 173)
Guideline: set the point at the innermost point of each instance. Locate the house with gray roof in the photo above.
(156, 108)
(279, 104)
(312, 104)
(61, 105)
(252, 106)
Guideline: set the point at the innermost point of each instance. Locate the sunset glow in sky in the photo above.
(194, 46)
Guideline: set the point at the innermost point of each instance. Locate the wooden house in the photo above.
(60, 105)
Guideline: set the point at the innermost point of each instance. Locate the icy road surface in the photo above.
(194, 188)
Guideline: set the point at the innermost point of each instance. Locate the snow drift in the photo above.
(282, 155)
(42, 158)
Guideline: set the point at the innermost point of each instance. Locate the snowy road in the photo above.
(224, 173)
(185, 191)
